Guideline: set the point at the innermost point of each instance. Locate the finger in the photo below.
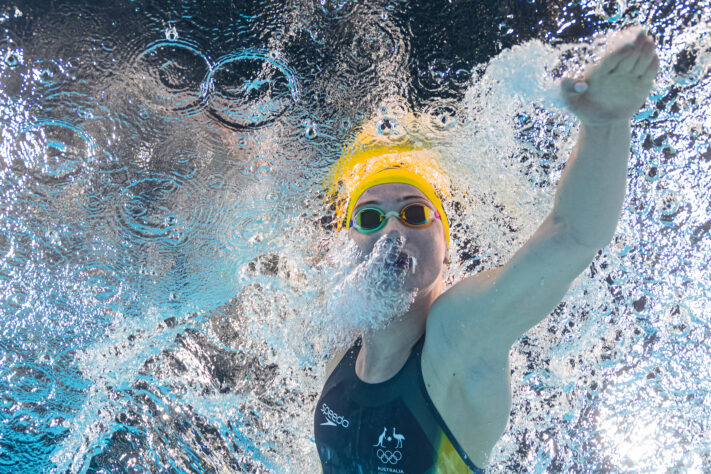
(627, 64)
(572, 90)
(652, 69)
(638, 47)
(645, 59)
(612, 60)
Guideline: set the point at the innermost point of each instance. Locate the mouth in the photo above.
(404, 262)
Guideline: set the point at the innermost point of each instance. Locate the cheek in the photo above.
(364, 242)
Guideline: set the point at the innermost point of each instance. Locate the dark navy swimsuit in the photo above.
(388, 427)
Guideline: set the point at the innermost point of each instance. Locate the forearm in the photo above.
(592, 188)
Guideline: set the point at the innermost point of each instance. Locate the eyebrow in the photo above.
(405, 198)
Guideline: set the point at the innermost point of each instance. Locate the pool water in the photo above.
(168, 277)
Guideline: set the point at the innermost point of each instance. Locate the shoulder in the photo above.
(463, 322)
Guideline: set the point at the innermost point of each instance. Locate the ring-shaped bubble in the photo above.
(440, 117)
(250, 89)
(177, 71)
(13, 57)
(612, 10)
(53, 150)
(164, 208)
(668, 203)
(371, 46)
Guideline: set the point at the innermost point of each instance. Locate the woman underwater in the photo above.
(429, 391)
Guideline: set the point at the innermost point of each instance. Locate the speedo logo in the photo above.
(332, 418)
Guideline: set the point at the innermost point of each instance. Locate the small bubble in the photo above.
(46, 76)
(11, 59)
(386, 126)
(53, 237)
(669, 204)
(310, 130)
(171, 34)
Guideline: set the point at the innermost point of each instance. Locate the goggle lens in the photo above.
(369, 218)
(415, 214)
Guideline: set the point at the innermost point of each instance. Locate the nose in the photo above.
(393, 227)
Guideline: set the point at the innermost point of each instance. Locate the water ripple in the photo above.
(250, 88)
(53, 150)
(163, 208)
(169, 75)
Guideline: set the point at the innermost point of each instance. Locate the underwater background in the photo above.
(166, 257)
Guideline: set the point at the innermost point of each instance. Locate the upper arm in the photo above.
(497, 306)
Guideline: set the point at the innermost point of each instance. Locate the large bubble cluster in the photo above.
(367, 292)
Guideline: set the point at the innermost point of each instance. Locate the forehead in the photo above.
(390, 191)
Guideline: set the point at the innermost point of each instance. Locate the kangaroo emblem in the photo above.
(399, 438)
(382, 438)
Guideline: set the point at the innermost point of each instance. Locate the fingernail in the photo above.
(580, 87)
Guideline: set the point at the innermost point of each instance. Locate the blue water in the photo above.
(164, 261)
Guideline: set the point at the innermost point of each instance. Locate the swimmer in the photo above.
(429, 392)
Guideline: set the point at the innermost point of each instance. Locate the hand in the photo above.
(615, 89)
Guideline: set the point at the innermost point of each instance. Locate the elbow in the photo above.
(592, 243)
(591, 240)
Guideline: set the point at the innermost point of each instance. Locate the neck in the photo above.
(385, 351)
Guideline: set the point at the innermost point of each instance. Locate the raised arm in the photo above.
(494, 308)
(591, 191)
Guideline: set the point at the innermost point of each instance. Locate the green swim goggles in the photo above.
(371, 219)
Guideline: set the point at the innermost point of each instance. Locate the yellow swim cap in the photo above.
(379, 161)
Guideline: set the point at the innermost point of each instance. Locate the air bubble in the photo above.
(171, 34)
(12, 59)
(386, 126)
(612, 10)
(679, 323)
(310, 130)
(668, 203)
(170, 75)
(46, 76)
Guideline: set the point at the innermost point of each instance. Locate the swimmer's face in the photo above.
(426, 244)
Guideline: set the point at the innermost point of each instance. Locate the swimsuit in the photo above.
(388, 427)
